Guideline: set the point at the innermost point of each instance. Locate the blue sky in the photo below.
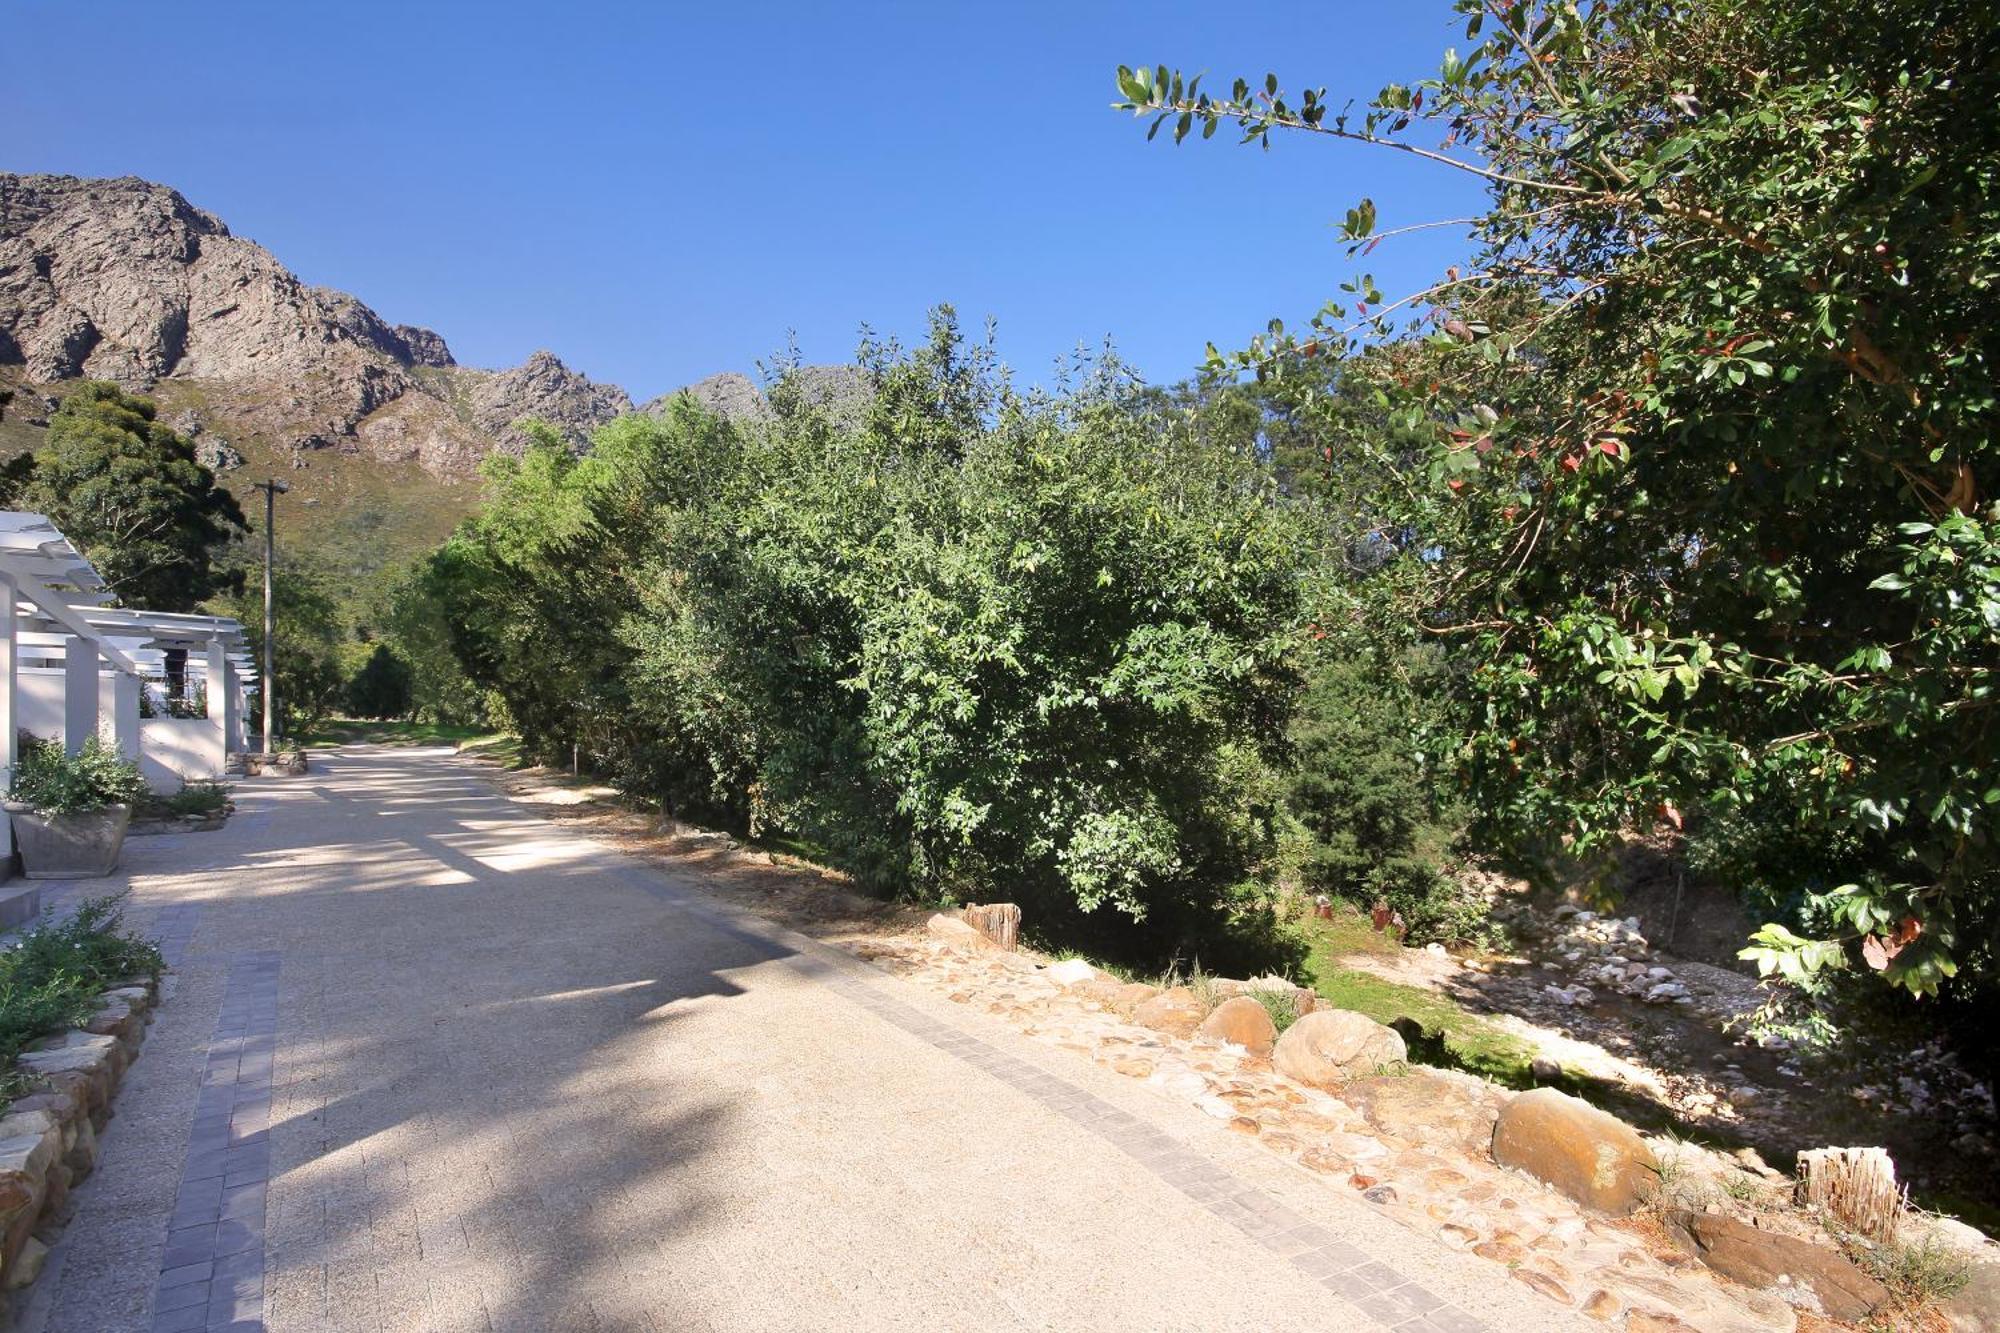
(658, 192)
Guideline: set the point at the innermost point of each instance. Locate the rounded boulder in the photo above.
(1329, 1047)
(1176, 1012)
(1593, 1157)
(1244, 1022)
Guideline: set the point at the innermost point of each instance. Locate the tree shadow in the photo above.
(473, 1107)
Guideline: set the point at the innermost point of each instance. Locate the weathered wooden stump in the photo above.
(999, 922)
(1856, 1185)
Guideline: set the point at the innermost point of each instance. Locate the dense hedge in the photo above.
(962, 641)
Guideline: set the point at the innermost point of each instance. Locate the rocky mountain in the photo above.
(128, 281)
(842, 389)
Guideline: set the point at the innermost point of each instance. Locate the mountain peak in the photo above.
(126, 280)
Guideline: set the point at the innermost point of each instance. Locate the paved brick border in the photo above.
(173, 930)
(212, 1270)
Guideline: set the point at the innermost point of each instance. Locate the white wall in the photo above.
(175, 748)
(38, 702)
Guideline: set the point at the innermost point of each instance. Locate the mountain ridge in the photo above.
(125, 280)
(378, 426)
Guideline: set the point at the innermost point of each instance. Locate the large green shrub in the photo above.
(382, 687)
(1704, 495)
(968, 642)
(1361, 786)
(57, 783)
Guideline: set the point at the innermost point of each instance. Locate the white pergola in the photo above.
(74, 665)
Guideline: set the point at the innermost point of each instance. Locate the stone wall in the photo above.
(48, 1136)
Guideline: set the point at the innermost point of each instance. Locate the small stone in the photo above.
(1070, 972)
(1243, 1124)
(1602, 1305)
(27, 1265)
(1457, 1236)
(1542, 1283)
(1321, 1160)
(956, 931)
(1380, 1194)
(1500, 1251)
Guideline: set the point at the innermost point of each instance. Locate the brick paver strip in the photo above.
(174, 929)
(212, 1269)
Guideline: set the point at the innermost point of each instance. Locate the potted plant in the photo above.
(70, 811)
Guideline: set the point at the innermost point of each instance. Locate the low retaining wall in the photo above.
(48, 1137)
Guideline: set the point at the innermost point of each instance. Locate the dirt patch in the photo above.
(794, 893)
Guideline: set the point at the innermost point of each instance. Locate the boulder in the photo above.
(1244, 1022)
(1430, 1106)
(1594, 1158)
(1176, 1012)
(1976, 1307)
(1071, 972)
(954, 930)
(1329, 1048)
(1769, 1259)
(1126, 997)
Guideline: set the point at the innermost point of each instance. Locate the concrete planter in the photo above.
(83, 845)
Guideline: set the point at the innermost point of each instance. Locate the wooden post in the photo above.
(999, 922)
(1855, 1185)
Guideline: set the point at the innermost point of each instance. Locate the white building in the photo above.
(167, 690)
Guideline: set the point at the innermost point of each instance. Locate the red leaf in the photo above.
(1572, 462)
(1908, 930)
(1876, 954)
(1608, 446)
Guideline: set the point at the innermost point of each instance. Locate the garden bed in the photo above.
(75, 999)
(198, 807)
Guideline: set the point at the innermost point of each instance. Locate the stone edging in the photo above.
(48, 1138)
(146, 828)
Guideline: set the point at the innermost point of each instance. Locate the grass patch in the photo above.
(1281, 1005)
(367, 731)
(1921, 1273)
(1438, 1030)
(51, 975)
(503, 749)
(199, 799)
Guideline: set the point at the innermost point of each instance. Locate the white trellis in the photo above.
(74, 665)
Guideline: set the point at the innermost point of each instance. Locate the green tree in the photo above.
(1704, 505)
(416, 625)
(307, 652)
(131, 496)
(962, 640)
(381, 687)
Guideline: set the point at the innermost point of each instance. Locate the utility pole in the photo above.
(272, 488)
